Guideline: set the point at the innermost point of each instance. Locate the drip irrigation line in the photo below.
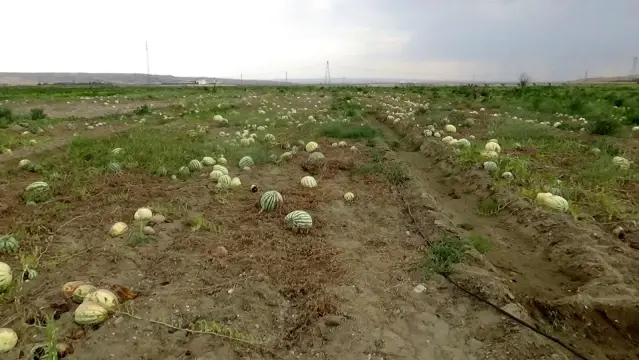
(494, 306)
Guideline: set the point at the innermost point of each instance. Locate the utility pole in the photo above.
(327, 74)
(241, 79)
(286, 76)
(633, 72)
(148, 66)
(586, 75)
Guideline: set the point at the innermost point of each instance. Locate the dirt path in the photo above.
(549, 269)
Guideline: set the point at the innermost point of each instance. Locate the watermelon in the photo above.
(114, 168)
(208, 161)
(9, 244)
(161, 171)
(90, 313)
(308, 182)
(221, 168)
(195, 165)
(311, 146)
(270, 200)
(37, 192)
(246, 161)
(316, 156)
(298, 219)
(224, 181)
(6, 277)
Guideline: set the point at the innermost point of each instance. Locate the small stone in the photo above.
(158, 218)
(148, 230)
(221, 251)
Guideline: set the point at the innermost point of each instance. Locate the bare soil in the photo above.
(573, 281)
(346, 290)
(82, 108)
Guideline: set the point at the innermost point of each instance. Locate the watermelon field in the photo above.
(451, 223)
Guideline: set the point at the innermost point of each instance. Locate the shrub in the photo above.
(37, 114)
(604, 126)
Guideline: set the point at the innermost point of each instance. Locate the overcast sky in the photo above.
(421, 39)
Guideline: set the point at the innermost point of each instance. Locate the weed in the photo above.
(604, 127)
(397, 173)
(480, 243)
(142, 110)
(37, 114)
(443, 255)
(350, 131)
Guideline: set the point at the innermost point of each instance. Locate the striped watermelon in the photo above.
(316, 156)
(184, 171)
(161, 171)
(308, 182)
(270, 200)
(6, 276)
(25, 164)
(224, 181)
(38, 185)
(246, 161)
(298, 219)
(114, 168)
(195, 165)
(37, 192)
(311, 146)
(9, 244)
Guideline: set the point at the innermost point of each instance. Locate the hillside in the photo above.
(7, 78)
(610, 79)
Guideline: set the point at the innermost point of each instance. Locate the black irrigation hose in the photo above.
(487, 302)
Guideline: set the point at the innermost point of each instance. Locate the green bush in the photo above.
(604, 126)
(37, 114)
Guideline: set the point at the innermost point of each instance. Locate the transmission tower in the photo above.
(148, 66)
(633, 72)
(327, 75)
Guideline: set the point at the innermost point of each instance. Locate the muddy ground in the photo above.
(350, 289)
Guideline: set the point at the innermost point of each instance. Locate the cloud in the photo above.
(456, 39)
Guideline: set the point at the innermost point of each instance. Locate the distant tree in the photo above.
(524, 79)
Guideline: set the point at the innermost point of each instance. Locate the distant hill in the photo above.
(8, 78)
(610, 79)
(115, 79)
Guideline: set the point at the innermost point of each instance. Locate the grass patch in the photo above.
(444, 255)
(350, 131)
